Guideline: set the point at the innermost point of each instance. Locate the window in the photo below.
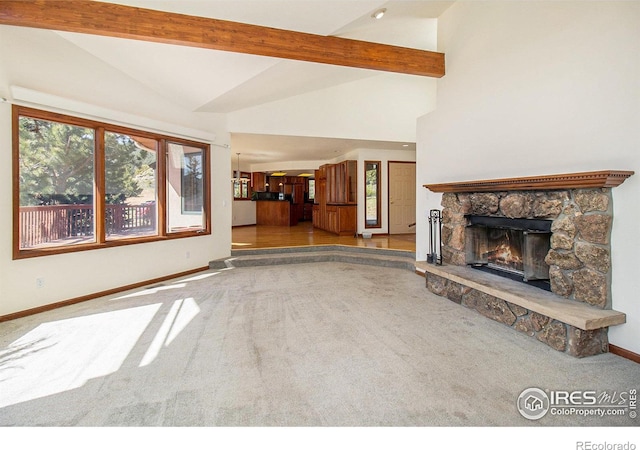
(81, 184)
(312, 189)
(192, 186)
(55, 183)
(372, 194)
(185, 188)
(130, 185)
(241, 189)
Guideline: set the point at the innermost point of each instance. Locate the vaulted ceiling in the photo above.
(199, 80)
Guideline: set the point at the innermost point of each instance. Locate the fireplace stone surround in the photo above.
(580, 208)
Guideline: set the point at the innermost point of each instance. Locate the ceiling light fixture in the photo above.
(379, 13)
(237, 176)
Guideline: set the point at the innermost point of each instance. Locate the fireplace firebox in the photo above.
(513, 248)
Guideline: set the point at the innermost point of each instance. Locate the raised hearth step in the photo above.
(577, 314)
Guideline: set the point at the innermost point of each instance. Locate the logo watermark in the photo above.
(588, 445)
(535, 403)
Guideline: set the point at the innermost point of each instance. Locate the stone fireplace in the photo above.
(578, 260)
(550, 236)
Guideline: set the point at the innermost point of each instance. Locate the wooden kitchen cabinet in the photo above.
(307, 211)
(258, 181)
(336, 202)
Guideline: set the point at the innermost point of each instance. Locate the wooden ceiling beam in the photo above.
(112, 20)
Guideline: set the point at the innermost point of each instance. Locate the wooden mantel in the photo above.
(581, 180)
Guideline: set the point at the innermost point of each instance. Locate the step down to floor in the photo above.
(317, 253)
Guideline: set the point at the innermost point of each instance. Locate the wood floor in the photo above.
(260, 236)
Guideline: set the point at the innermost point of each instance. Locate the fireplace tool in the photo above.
(435, 237)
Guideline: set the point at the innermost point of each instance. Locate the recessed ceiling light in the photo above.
(379, 13)
(278, 174)
(405, 145)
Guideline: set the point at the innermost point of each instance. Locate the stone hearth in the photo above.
(580, 208)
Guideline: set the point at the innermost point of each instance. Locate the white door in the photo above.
(402, 197)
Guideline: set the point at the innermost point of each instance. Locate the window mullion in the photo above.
(206, 165)
(163, 154)
(100, 187)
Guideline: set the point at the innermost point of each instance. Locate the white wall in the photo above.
(43, 61)
(244, 213)
(382, 107)
(536, 88)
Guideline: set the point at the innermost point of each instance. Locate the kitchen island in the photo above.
(275, 213)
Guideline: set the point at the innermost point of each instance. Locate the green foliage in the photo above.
(371, 182)
(56, 164)
(125, 162)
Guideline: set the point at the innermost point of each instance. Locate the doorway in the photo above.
(402, 197)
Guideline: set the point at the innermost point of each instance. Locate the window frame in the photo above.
(378, 170)
(103, 173)
(183, 175)
(99, 184)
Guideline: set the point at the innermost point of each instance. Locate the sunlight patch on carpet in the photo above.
(62, 355)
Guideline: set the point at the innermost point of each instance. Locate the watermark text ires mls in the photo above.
(535, 403)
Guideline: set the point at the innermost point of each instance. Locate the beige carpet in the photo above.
(327, 344)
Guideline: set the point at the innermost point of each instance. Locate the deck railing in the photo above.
(47, 224)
